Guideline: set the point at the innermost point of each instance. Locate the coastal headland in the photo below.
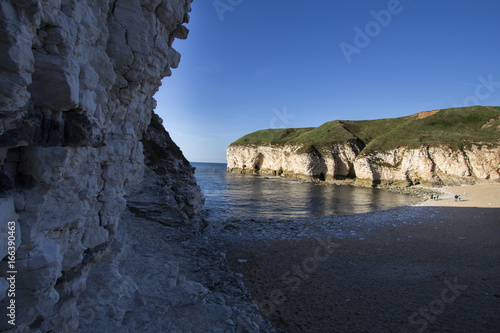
(441, 147)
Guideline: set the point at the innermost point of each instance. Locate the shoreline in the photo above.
(384, 265)
(417, 191)
(486, 195)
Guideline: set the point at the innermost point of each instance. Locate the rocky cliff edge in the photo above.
(76, 99)
(440, 147)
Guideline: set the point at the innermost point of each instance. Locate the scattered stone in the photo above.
(77, 136)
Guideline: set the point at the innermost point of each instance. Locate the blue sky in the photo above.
(253, 64)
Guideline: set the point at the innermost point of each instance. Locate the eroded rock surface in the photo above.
(76, 96)
(334, 163)
(438, 165)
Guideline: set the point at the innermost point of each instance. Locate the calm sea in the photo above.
(230, 195)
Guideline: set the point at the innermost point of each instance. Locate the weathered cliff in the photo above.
(430, 166)
(160, 273)
(77, 80)
(288, 160)
(451, 146)
(168, 192)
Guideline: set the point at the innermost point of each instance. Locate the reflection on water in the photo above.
(230, 195)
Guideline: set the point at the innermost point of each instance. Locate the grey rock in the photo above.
(4, 285)
(76, 99)
(55, 82)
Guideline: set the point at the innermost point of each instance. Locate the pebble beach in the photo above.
(429, 267)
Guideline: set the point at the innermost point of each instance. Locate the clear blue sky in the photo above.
(253, 64)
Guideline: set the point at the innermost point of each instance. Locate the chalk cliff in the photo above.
(160, 274)
(77, 80)
(430, 166)
(431, 148)
(288, 160)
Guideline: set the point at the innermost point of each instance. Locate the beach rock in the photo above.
(157, 277)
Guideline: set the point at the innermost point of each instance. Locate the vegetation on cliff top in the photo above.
(455, 128)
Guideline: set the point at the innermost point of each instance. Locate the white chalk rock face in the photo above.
(484, 162)
(76, 95)
(288, 160)
(402, 166)
(434, 165)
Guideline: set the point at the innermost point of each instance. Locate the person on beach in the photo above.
(456, 197)
(432, 196)
(460, 198)
(436, 197)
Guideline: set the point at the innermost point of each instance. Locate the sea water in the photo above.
(244, 196)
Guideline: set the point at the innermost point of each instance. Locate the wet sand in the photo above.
(432, 267)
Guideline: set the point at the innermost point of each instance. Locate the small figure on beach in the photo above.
(432, 196)
(459, 198)
(436, 197)
(456, 197)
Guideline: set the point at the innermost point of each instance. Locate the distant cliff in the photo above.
(451, 146)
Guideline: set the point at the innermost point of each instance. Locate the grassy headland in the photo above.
(455, 128)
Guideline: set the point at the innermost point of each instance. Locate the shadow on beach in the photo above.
(436, 271)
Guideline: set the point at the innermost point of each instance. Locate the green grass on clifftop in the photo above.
(454, 128)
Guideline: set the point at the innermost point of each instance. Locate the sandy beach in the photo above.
(431, 267)
(479, 196)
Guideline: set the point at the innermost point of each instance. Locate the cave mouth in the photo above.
(321, 177)
(257, 165)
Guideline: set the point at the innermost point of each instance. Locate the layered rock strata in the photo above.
(76, 94)
(426, 165)
(287, 160)
(161, 274)
(168, 192)
(430, 165)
